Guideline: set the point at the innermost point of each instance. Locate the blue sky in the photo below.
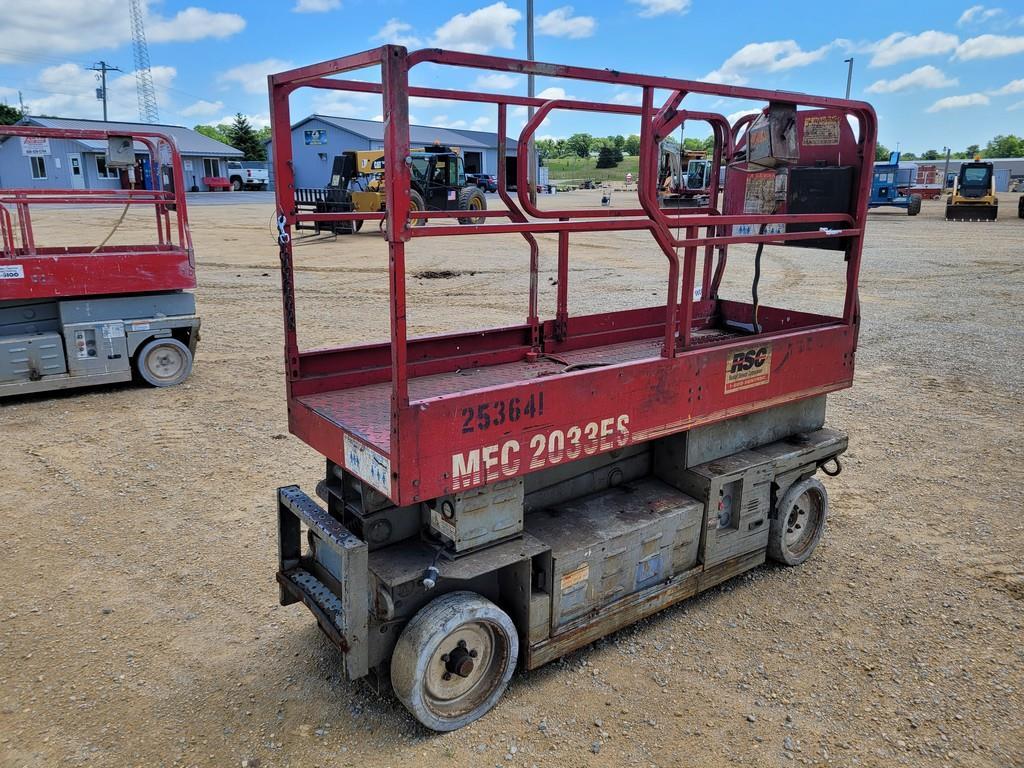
(938, 73)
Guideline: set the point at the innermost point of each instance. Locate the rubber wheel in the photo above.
(914, 207)
(163, 362)
(472, 199)
(799, 522)
(949, 210)
(357, 225)
(453, 660)
(236, 185)
(1020, 208)
(416, 204)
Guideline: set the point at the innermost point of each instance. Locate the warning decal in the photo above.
(748, 368)
(821, 131)
(759, 196)
(366, 464)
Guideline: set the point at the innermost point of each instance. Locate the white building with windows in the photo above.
(81, 163)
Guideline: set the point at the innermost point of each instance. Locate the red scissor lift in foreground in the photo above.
(592, 469)
(71, 316)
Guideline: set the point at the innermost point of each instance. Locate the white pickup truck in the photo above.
(248, 174)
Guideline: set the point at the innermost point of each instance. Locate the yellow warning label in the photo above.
(572, 578)
(821, 131)
(748, 368)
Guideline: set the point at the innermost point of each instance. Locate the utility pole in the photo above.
(849, 75)
(102, 67)
(21, 102)
(531, 87)
(945, 170)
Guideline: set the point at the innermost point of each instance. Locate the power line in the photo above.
(102, 67)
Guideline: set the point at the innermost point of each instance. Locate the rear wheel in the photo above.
(799, 522)
(164, 362)
(472, 199)
(454, 659)
(416, 204)
(1020, 208)
(236, 184)
(914, 207)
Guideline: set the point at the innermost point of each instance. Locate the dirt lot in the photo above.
(140, 624)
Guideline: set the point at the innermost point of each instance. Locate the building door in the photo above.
(474, 162)
(75, 171)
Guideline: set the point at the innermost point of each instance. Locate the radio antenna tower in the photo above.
(148, 112)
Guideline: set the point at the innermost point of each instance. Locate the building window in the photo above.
(211, 167)
(38, 167)
(103, 171)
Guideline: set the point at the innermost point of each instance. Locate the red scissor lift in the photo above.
(592, 469)
(71, 316)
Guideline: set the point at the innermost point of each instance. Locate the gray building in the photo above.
(317, 139)
(81, 163)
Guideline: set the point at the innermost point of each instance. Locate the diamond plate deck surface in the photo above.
(366, 411)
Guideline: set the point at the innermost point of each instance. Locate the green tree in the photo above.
(9, 115)
(547, 147)
(971, 151)
(616, 154)
(606, 158)
(882, 153)
(216, 132)
(241, 135)
(931, 154)
(908, 156)
(1005, 146)
(580, 143)
(631, 146)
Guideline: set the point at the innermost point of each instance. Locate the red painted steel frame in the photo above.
(51, 272)
(400, 415)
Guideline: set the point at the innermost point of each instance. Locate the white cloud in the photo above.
(396, 32)
(192, 24)
(1018, 105)
(922, 77)
(630, 96)
(977, 14)
(479, 31)
(899, 46)
(1014, 86)
(734, 116)
(70, 91)
(497, 82)
(443, 121)
(959, 102)
(554, 92)
(257, 121)
(650, 8)
(343, 104)
(774, 56)
(252, 77)
(53, 27)
(989, 47)
(316, 6)
(561, 23)
(202, 108)
(482, 124)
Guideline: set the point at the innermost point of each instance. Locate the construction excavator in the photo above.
(974, 193)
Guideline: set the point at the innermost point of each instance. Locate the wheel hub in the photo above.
(459, 661)
(802, 521)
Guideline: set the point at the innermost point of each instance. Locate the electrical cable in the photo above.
(755, 327)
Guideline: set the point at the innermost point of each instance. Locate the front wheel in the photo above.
(799, 522)
(164, 362)
(472, 199)
(416, 203)
(236, 184)
(454, 659)
(914, 207)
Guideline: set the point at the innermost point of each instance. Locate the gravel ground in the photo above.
(140, 625)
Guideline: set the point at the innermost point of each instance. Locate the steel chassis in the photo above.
(396, 413)
(66, 271)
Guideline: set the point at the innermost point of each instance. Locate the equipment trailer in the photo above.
(504, 496)
(71, 316)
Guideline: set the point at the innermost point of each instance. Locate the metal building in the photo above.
(316, 140)
(81, 164)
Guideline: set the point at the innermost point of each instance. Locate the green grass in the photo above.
(578, 168)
